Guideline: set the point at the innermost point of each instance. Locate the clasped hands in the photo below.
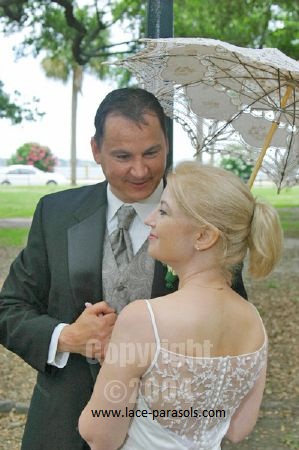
(89, 335)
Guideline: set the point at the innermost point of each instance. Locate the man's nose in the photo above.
(139, 169)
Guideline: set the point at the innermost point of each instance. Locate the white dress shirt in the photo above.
(138, 231)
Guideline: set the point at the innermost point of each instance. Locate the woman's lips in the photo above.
(152, 236)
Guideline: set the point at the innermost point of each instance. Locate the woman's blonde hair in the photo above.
(214, 197)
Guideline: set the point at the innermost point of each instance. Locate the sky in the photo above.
(53, 130)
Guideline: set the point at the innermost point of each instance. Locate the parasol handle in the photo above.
(268, 139)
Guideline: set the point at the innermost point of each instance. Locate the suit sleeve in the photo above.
(25, 326)
(237, 281)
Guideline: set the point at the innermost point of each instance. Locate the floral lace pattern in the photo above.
(219, 92)
(179, 382)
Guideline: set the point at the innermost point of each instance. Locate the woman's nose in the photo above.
(150, 219)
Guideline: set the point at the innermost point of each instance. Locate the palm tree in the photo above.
(58, 67)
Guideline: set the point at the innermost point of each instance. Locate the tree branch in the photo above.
(71, 20)
(13, 11)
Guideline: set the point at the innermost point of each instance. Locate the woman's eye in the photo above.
(162, 212)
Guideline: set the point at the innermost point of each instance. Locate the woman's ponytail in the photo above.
(265, 240)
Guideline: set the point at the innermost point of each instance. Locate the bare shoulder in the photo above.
(252, 324)
(134, 322)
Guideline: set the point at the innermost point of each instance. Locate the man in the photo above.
(76, 254)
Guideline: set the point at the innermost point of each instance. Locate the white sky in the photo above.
(53, 130)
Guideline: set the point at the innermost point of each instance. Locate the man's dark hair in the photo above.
(131, 103)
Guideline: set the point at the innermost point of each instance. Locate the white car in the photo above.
(19, 174)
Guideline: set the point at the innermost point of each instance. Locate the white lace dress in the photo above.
(183, 383)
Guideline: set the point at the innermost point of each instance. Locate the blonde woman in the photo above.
(187, 369)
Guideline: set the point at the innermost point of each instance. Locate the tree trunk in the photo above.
(76, 88)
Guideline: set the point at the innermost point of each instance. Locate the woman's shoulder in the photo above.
(141, 307)
(135, 321)
(250, 323)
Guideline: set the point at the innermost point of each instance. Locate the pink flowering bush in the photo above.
(35, 155)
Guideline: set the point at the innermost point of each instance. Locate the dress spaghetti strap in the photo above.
(157, 338)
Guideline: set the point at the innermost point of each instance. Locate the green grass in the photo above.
(20, 201)
(289, 218)
(287, 205)
(287, 198)
(13, 237)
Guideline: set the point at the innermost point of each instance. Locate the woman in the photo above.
(193, 363)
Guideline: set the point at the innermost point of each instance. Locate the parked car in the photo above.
(19, 174)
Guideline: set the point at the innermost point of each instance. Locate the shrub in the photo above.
(238, 166)
(36, 155)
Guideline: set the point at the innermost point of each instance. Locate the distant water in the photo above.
(83, 173)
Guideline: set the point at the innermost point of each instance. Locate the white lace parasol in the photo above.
(223, 94)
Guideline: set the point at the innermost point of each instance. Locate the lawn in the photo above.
(287, 205)
(287, 198)
(21, 202)
(13, 237)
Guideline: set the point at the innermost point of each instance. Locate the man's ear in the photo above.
(95, 150)
(206, 238)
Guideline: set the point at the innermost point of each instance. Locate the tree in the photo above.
(12, 110)
(246, 23)
(72, 40)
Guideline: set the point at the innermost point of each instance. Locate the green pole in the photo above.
(160, 25)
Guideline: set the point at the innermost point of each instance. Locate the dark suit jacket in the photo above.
(49, 282)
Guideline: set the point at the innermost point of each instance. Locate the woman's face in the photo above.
(172, 237)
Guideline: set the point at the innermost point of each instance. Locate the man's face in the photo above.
(132, 156)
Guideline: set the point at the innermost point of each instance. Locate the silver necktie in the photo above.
(120, 239)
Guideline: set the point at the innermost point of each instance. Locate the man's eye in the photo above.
(122, 157)
(151, 153)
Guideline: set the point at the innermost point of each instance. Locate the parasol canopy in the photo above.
(223, 94)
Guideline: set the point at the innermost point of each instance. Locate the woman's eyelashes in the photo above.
(162, 212)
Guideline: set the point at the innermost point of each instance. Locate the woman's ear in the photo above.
(206, 238)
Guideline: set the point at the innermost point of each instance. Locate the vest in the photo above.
(126, 284)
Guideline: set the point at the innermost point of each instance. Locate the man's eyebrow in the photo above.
(153, 148)
(120, 150)
(128, 152)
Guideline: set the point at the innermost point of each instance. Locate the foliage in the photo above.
(50, 24)
(68, 37)
(246, 23)
(237, 166)
(36, 155)
(10, 109)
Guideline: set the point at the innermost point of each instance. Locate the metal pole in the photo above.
(160, 25)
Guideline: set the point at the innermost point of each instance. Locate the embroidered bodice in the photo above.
(178, 382)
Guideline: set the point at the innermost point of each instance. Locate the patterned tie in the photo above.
(120, 239)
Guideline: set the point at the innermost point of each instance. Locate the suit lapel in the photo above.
(159, 283)
(85, 248)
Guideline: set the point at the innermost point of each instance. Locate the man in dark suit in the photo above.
(68, 261)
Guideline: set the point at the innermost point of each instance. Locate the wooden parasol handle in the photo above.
(268, 139)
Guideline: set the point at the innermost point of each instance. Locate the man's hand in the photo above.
(90, 333)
